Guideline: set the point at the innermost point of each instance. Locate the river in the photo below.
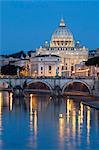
(41, 123)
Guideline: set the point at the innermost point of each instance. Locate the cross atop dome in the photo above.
(62, 23)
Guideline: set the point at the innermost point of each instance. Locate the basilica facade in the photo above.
(62, 44)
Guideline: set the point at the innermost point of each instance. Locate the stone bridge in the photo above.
(52, 83)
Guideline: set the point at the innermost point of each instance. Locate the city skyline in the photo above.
(27, 25)
(49, 74)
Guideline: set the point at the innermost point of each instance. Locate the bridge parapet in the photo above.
(51, 82)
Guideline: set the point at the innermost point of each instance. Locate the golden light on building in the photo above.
(25, 71)
(62, 37)
(88, 124)
(62, 44)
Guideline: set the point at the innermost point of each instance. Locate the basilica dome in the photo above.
(62, 37)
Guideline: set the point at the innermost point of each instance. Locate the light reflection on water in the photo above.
(38, 122)
(0, 120)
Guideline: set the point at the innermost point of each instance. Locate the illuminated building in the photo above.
(62, 44)
(61, 55)
(81, 70)
(45, 65)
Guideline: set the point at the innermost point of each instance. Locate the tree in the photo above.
(16, 55)
(9, 69)
(93, 61)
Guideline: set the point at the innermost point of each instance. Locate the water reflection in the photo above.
(0, 113)
(68, 110)
(79, 125)
(74, 123)
(88, 124)
(81, 112)
(68, 121)
(33, 115)
(35, 122)
(0, 119)
(10, 99)
(61, 130)
(0, 103)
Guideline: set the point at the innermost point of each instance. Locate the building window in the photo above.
(62, 43)
(62, 67)
(72, 68)
(50, 68)
(58, 43)
(66, 66)
(41, 68)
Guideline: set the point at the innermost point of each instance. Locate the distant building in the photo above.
(62, 44)
(61, 57)
(25, 64)
(91, 53)
(21, 62)
(97, 52)
(81, 70)
(5, 61)
(45, 65)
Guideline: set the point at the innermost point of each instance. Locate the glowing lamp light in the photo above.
(35, 112)
(31, 96)
(60, 115)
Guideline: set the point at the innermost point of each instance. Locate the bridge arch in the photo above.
(73, 84)
(44, 84)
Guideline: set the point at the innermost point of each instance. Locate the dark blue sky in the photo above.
(26, 24)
